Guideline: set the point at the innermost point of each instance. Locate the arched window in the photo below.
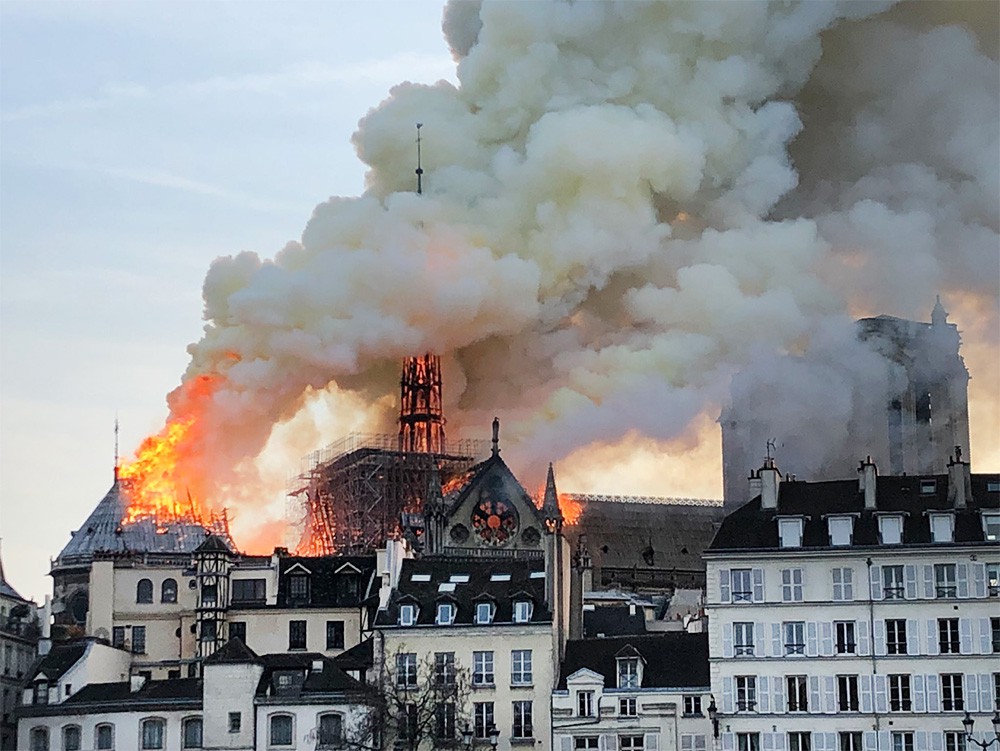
(144, 591)
(71, 738)
(281, 730)
(104, 737)
(168, 590)
(152, 735)
(39, 739)
(331, 731)
(191, 735)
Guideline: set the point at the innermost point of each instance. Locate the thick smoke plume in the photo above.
(624, 204)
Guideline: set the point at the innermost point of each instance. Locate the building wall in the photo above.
(305, 722)
(230, 688)
(267, 630)
(126, 727)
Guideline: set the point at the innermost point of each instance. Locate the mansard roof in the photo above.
(328, 579)
(751, 527)
(59, 660)
(613, 620)
(320, 675)
(673, 659)
(150, 691)
(466, 580)
(233, 651)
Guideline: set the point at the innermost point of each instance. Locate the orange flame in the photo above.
(570, 508)
(162, 483)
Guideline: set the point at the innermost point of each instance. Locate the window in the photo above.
(692, 705)
(693, 742)
(850, 741)
(743, 639)
(208, 630)
(630, 742)
(585, 703)
(846, 643)
(790, 533)
(168, 591)
(902, 741)
(942, 528)
(249, 590)
(144, 591)
(139, 640)
(407, 614)
(586, 743)
(522, 720)
(991, 526)
(748, 742)
(522, 611)
(445, 613)
(238, 630)
(191, 733)
(408, 722)
(484, 612)
(41, 693)
(296, 634)
(841, 529)
(742, 584)
(118, 637)
(899, 693)
(444, 720)
(280, 731)
(39, 739)
(954, 740)
(104, 737)
(996, 691)
(995, 634)
(948, 639)
(628, 672)
(893, 586)
(799, 741)
(331, 731)
(890, 529)
(993, 579)
(482, 719)
(444, 668)
(791, 585)
(951, 692)
(334, 634)
(482, 669)
(895, 636)
(520, 667)
(843, 584)
(627, 706)
(235, 722)
(847, 693)
(798, 693)
(746, 693)
(406, 670)
(795, 637)
(152, 732)
(71, 738)
(928, 487)
(298, 588)
(944, 580)
(209, 595)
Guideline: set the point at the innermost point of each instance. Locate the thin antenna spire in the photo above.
(420, 169)
(116, 447)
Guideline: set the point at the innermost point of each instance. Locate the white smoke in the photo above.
(613, 222)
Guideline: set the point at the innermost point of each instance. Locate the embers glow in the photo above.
(570, 508)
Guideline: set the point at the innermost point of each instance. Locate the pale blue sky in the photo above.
(140, 140)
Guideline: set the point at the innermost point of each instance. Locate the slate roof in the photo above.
(613, 620)
(60, 659)
(331, 679)
(675, 659)
(6, 590)
(151, 691)
(465, 594)
(359, 657)
(327, 587)
(753, 527)
(233, 651)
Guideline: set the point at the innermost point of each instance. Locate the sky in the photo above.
(139, 142)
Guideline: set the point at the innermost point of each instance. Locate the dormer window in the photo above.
(41, 693)
(890, 529)
(407, 614)
(484, 612)
(991, 526)
(928, 487)
(942, 528)
(628, 672)
(298, 588)
(790, 533)
(841, 529)
(445, 613)
(522, 611)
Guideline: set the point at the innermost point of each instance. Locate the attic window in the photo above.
(420, 578)
(446, 587)
(628, 672)
(890, 529)
(928, 487)
(445, 613)
(841, 529)
(522, 611)
(993, 487)
(942, 528)
(537, 575)
(790, 533)
(499, 577)
(484, 612)
(459, 579)
(991, 526)
(407, 614)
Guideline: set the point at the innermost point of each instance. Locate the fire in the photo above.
(161, 482)
(570, 508)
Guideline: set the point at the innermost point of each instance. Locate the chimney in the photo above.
(770, 479)
(136, 682)
(755, 486)
(959, 480)
(868, 482)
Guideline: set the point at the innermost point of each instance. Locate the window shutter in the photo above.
(764, 693)
(876, 580)
(838, 584)
(962, 574)
(566, 743)
(932, 637)
(920, 740)
(727, 695)
(869, 739)
(727, 639)
(978, 580)
(831, 742)
(609, 742)
(778, 688)
(724, 592)
(776, 639)
(985, 636)
(652, 742)
(812, 648)
(826, 638)
(758, 585)
(815, 702)
(884, 739)
(848, 583)
(919, 700)
(786, 585)
(937, 741)
(865, 692)
(879, 638)
(931, 682)
(913, 636)
(881, 694)
(864, 648)
(965, 636)
(758, 640)
(910, 581)
(830, 688)
(985, 692)
(768, 741)
(728, 742)
(971, 694)
(929, 582)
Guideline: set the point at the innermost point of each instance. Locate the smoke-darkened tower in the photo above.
(421, 421)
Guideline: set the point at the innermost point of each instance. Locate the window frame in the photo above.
(189, 722)
(793, 641)
(585, 703)
(949, 636)
(144, 591)
(792, 584)
(848, 697)
(894, 582)
(945, 581)
(521, 667)
(523, 610)
(168, 591)
(322, 743)
(296, 641)
(628, 706)
(746, 687)
(895, 636)
(97, 736)
(39, 731)
(152, 722)
(743, 638)
(745, 578)
(900, 693)
(522, 714)
(797, 688)
(446, 613)
(407, 614)
(445, 671)
(952, 692)
(406, 668)
(271, 743)
(483, 719)
(66, 730)
(483, 668)
(850, 645)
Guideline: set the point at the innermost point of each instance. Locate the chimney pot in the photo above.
(869, 483)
